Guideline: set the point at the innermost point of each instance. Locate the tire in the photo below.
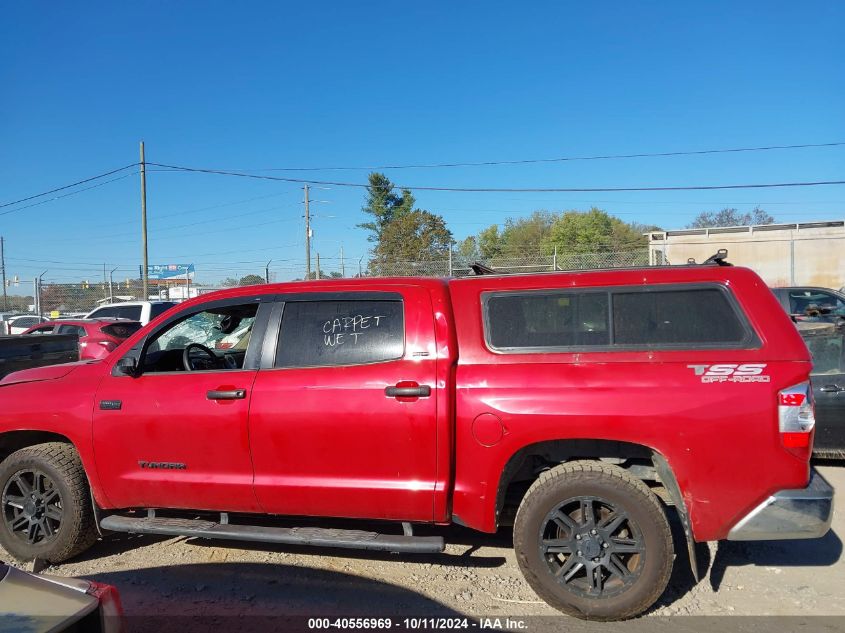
(59, 524)
(612, 567)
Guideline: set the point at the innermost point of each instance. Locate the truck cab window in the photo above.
(211, 340)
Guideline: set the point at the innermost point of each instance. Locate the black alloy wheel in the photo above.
(32, 506)
(592, 547)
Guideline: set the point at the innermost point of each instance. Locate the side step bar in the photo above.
(317, 537)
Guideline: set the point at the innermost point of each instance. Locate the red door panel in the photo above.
(167, 420)
(329, 441)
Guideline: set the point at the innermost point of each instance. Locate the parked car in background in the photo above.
(826, 343)
(97, 337)
(35, 604)
(143, 311)
(28, 352)
(802, 302)
(21, 323)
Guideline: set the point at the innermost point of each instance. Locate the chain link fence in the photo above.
(77, 299)
(523, 264)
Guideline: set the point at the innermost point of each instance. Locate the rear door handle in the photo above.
(233, 394)
(422, 391)
(831, 389)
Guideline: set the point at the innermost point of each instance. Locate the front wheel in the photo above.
(593, 541)
(45, 503)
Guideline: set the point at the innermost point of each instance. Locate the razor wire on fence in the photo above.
(54, 299)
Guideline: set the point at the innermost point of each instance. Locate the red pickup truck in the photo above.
(581, 408)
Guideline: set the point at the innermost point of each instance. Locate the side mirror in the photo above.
(126, 366)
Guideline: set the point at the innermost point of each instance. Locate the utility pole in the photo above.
(111, 285)
(307, 237)
(342, 265)
(318, 265)
(267, 272)
(145, 270)
(38, 284)
(105, 296)
(3, 271)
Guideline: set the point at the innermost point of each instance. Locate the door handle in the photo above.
(233, 394)
(831, 389)
(421, 391)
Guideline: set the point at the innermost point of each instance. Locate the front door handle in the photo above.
(831, 389)
(233, 394)
(420, 391)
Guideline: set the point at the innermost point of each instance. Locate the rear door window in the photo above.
(44, 329)
(335, 333)
(78, 330)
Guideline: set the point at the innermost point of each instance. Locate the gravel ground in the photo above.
(477, 576)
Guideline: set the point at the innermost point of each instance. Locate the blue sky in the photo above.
(256, 85)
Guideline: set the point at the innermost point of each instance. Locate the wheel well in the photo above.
(16, 440)
(526, 464)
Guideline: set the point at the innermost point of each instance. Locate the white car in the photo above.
(19, 324)
(143, 311)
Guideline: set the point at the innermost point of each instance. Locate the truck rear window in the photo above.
(331, 333)
(649, 317)
(133, 313)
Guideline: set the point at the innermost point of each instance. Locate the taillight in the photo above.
(111, 611)
(796, 419)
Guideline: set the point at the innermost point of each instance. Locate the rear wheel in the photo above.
(45, 503)
(593, 541)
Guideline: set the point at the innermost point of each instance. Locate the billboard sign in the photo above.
(170, 271)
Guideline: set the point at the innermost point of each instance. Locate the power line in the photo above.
(72, 193)
(561, 159)
(508, 189)
(79, 182)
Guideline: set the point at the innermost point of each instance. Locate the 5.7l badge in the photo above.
(731, 372)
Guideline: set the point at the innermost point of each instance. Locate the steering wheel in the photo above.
(212, 361)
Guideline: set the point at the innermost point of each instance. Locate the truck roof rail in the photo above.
(719, 258)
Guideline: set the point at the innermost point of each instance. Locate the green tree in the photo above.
(593, 231)
(467, 251)
(251, 280)
(524, 236)
(490, 242)
(730, 217)
(578, 232)
(384, 205)
(414, 236)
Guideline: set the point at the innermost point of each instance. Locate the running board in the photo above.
(316, 537)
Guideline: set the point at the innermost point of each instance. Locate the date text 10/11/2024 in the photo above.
(423, 623)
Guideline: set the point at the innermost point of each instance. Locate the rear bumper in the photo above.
(789, 514)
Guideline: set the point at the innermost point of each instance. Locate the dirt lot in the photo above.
(476, 576)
